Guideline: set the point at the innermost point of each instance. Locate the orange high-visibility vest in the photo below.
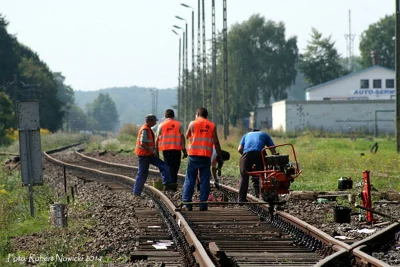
(201, 142)
(141, 151)
(170, 138)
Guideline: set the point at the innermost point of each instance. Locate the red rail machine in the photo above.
(276, 176)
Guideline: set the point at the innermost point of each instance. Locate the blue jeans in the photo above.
(195, 164)
(143, 171)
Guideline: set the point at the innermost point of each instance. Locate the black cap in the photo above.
(151, 117)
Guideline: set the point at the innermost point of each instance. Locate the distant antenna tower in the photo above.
(350, 46)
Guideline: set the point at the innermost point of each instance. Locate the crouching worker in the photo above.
(147, 154)
(216, 167)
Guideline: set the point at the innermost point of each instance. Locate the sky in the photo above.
(99, 44)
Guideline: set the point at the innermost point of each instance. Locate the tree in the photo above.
(321, 62)
(8, 58)
(76, 119)
(379, 37)
(6, 116)
(64, 92)
(103, 110)
(35, 72)
(262, 64)
(355, 63)
(21, 71)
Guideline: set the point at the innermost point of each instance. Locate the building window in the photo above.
(389, 83)
(364, 84)
(377, 83)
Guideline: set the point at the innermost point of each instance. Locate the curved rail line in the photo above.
(183, 234)
(211, 252)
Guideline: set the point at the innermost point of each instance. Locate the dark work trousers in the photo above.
(246, 162)
(173, 160)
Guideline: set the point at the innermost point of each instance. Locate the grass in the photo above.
(324, 160)
(15, 219)
(50, 141)
(15, 216)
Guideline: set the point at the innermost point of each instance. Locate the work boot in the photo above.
(171, 187)
(256, 190)
(203, 208)
(187, 207)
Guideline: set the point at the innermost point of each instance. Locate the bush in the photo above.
(129, 129)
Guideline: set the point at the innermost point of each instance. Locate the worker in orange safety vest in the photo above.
(202, 135)
(171, 142)
(147, 154)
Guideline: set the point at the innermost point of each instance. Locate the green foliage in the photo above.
(321, 62)
(64, 93)
(76, 119)
(129, 129)
(33, 71)
(9, 58)
(261, 64)
(21, 70)
(6, 116)
(51, 141)
(324, 160)
(379, 37)
(104, 111)
(355, 63)
(15, 212)
(60, 139)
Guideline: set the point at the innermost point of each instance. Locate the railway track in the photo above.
(227, 234)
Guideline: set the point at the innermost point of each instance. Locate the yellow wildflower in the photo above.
(44, 131)
(3, 191)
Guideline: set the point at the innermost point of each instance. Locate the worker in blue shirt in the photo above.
(250, 147)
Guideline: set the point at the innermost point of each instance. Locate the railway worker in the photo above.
(147, 154)
(171, 142)
(202, 135)
(250, 147)
(216, 166)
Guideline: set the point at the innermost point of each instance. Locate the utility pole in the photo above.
(225, 37)
(204, 56)
(179, 81)
(187, 79)
(214, 68)
(193, 68)
(179, 74)
(398, 75)
(199, 84)
(183, 104)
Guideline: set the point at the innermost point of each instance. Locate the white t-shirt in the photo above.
(214, 155)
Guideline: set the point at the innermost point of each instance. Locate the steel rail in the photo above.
(330, 242)
(366, 259)
(340, 248)
(198, 250)
(377, 238)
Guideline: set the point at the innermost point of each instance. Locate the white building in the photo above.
(334, 116)
(373, 83)
(363, 100)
